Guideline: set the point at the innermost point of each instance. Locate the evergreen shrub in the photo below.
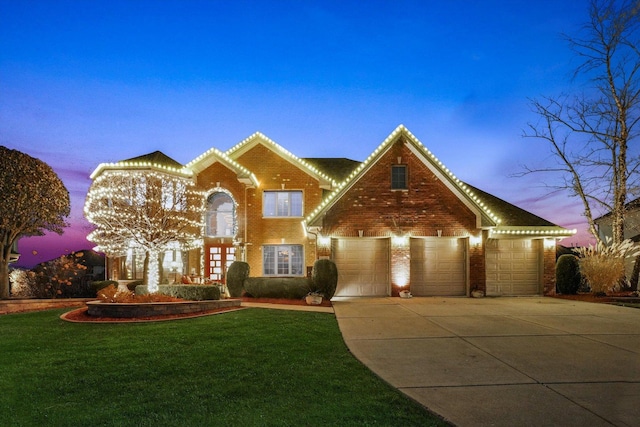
(568, 277)
(237, 273)
(324, 277)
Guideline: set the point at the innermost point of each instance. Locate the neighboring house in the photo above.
(14, 255)
(631, 231)
(398, 220)
(631, 222)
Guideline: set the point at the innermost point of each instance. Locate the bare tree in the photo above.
(146, 211)
(34, 200)
(590, 134)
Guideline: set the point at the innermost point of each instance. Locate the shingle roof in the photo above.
(158, 158)
(510, 215)
(337, 168)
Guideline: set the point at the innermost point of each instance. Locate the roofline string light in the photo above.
(283, 151)
(226, 158)
(140, 165)
(402, 129)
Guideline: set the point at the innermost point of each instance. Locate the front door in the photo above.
(219, 258)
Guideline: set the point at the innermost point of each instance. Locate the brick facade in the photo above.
(432, 204)
(425, 207)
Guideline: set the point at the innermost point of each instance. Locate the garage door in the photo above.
(513, 267)
(438, 267)
(363, 266)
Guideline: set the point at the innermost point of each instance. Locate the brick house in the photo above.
(398, 220)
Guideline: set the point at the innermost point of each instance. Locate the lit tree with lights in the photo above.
(34, 200)
(147, 208)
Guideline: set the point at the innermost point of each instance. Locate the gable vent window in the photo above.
(399, 177)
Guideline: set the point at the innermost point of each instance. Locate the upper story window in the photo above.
(399, 177)
(221, 215)
(282, 203)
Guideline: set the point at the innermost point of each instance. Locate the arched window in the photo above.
(221, 215)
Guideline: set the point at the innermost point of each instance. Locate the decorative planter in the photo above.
(405, 294)
(149, 309)
(313, 299)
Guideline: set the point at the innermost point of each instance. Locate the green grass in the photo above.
(252, 367)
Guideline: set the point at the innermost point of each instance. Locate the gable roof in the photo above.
(484, 215)
(258, 138)
(156, 160)
(214, 155)
(630, 206)
(491, 212)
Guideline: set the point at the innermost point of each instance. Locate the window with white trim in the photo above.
(281, 204)
(282, 260)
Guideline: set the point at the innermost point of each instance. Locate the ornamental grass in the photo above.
(603, 265)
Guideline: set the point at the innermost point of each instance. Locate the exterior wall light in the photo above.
(475, 240)
(399, 241)
(549, 243)
(324, 241)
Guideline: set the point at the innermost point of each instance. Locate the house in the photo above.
(398, 220)
(631, 222)
(631, 231)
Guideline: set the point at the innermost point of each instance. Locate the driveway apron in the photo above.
(534, 361)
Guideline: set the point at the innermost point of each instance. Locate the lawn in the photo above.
(252, 367)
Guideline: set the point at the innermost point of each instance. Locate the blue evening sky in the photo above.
(86, 82)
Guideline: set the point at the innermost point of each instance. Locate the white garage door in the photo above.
(513, 267)
(363, 266)
(438, 267)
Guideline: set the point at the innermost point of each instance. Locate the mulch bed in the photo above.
(604, 299)
(80, 315)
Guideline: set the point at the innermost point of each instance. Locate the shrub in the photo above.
(277, 287)
(324, 277)
(61, 277)
(23, 283)
(133, 285)
(568, 277)
(187, 292)
(603, 265)
(236, 275)
(112, 294)
(100, 284)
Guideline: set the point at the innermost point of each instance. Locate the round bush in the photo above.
(568, 277)
(324, 277)
(236, 274)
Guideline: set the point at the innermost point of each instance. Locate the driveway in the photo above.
(503, 361)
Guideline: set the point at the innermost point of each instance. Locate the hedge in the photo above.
(277, 287)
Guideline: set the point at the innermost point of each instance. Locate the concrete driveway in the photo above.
(503, 361)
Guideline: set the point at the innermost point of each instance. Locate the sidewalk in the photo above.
(503, 361)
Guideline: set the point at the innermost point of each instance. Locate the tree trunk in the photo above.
(636, 273)
(4, 276)
(152, 272)
(5, 251)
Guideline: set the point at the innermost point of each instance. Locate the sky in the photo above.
(87, 82)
